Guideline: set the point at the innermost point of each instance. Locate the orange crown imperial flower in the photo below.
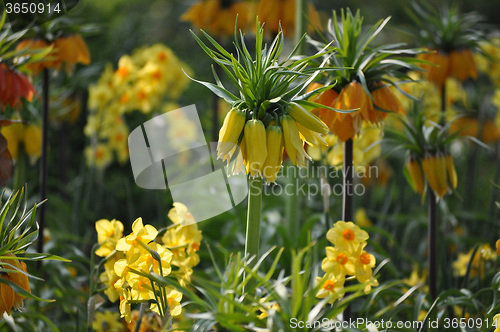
(14, 86)
(14, 273)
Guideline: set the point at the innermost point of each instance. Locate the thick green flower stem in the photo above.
(347, 197)
(301, 25)
(253, 220)
(43, 158)
(292, 206)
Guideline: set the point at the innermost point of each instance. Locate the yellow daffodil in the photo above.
(108, 234)
(100, 156)
(140, 232)
(267, 307)
(346, 236)
(337, 262)
(332, 288)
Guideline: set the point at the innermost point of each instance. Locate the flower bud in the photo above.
(230, 133)
(416, 175)
(272, 165)
(293, 144)
(452, 173)
(256, 147)
(307, 119)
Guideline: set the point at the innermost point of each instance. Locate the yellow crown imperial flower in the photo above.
(293, 144)
(307, 119)
(255, 139)
(272, 165)
(230, 132)
(416, 175)
(452, 173)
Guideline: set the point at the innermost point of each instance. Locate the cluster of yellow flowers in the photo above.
(140, 83)
(365, 148)
(346, 258)
(477, 263)
(262, 147)
(488, 61)
(30, 136)
(439, 171)
(129, 259)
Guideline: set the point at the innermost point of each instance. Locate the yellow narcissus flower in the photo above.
(140, 288)
(332, 288)
(10, 268)
(477, 263)
(255, 140)
(108, 234)
(272, 165)
(125, 311)
(107, 321)
(109, 278)
(100, 156)
(230, 132)
(346, 236)
(174, 298)
(337, 262)
(140, 232)
(267, 307)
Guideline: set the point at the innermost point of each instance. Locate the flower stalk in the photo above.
(43, 156)
(253, 218)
